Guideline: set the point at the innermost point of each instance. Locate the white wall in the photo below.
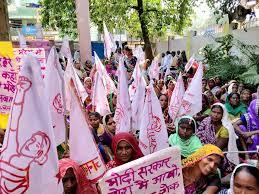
(197, 42)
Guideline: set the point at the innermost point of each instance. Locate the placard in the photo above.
(9, 69)
(157, 173)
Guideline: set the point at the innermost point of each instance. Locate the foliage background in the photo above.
(230, 59)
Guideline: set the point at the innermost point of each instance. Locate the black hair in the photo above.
(127, 48)
(251, 170)
(205, 97)
(168, 52)
(167, 82)
(95, 114)
(108, 117)
(178, 52)
(189, 122)
(232, 94)
(184, 57)
(173, 53)
(163, 95)
(217, 106)
(211, 80)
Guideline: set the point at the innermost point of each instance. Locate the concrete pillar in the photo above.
(83, 26)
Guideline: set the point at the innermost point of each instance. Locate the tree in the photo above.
(235, 9)
(141, 18)
(4, 21)
(230, 59)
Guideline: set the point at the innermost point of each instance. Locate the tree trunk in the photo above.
(4, 21)
(148, 48)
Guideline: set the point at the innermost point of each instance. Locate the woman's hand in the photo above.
(249, 141)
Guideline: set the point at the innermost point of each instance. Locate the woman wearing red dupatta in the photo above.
(74, 179)
(125, 148)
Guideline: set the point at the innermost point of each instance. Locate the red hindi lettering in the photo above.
(142, 184)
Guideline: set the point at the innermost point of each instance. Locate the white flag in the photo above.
(99, 98)
(154, 69)
(189, 64)
(108, 83)
(136, 75)
(108, 44)
(153, 132)
(65, 50)
(29, 161)
(70, 73)
(123, 107)
(55, 91)
(137, 104)
(176, 99)
(81, 138)
(140, 54)
(22, 40)
(192, 100)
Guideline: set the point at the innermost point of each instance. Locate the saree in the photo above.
(193, 159)
(251, 122)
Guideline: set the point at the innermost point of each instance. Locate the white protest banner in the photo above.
(39, 53)
(153, 134)
(9, 69)
(28, 160)
(157, 173)
(8, 79)
(80, 138)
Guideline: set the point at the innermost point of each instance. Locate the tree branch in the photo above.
(134, 7)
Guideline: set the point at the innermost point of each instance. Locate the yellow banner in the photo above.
(3, 121)
(6, 49)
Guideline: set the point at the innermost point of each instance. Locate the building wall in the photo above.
(197, 42)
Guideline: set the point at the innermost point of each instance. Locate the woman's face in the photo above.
(210, 96)
(204, 83)
(111, 125)
(216, 114)
(217, 81)
(241, 87)
(245, 183)
(88, 83)
(69, 182)
(160, 84)
(185, 131)
(209, 164)
(124, 151)
(211, 84)
(163, 101)
(94, 121)
(235, 88)
(114, 100)
(234, 100)
(171, 85)
(246, 95)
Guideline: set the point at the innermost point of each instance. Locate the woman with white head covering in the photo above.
(244, 180)
(218, 130)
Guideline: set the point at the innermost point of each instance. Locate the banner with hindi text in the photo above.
(9, 69)
(160, 172)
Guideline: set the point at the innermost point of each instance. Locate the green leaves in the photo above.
(231, 59)
(59, 15)
(160, 16)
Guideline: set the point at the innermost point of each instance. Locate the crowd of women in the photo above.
(209, 141)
